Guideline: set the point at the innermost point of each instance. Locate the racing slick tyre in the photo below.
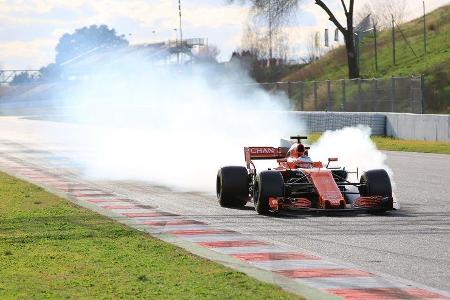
(375, 183)
(267, 184)
(232, 186)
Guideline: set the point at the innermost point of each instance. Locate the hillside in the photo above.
(435, 65)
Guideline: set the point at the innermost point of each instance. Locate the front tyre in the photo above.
(267, 184)
(232, 186)
(377, 183)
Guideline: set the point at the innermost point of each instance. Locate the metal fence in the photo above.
(396, 94)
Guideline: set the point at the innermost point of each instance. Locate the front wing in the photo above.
(361, 204)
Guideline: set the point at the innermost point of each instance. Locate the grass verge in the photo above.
(393, 144)
(50, 248)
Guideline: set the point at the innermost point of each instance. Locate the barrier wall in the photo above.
(398, 125)
(418, 127)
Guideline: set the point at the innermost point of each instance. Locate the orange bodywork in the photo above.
(274, 203)
(329, 194)
(368, 202)
(302, 203)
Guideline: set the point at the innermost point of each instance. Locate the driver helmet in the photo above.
(297, 150)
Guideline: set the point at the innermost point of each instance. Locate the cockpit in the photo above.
(298, 154)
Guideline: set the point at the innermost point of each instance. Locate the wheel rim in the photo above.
(255, 192)
(218, 187)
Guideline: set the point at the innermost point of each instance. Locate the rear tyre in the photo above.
(232, 186)
(267, 184)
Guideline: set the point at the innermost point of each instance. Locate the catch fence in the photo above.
(396, 94)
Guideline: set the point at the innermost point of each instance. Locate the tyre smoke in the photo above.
(354, 149)
(170, 126)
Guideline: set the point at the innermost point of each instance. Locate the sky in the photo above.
(30, 29)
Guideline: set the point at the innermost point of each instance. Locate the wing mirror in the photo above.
(331, 159)
(317, 164)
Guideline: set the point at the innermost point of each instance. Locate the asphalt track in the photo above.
(412, 243)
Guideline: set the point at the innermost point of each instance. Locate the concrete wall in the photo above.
(418, 127)
(398, 125)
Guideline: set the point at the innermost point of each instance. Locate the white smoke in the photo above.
(352, 146)
(354, 149)
(171, 126)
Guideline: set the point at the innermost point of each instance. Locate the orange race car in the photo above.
(298, 183)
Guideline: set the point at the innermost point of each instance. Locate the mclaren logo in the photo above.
(262, 150)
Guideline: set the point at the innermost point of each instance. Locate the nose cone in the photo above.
(329, 194)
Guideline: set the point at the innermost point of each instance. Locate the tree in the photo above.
(50, 72)
(366, 10)
(256, 41)
(348, 33)
(387, 9)
(313, 48)
(281, 8)
(23, 78)
(382, 11)
(86, 39)
(274, 14)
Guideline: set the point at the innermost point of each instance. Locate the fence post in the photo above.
(422, 94)
(343, 95)
(329, 104)
(411, 94)
(359, 94)
(393, 40)
(302, 100)
(375, 45)
(315, 95)
(374, 94)
(392, 94)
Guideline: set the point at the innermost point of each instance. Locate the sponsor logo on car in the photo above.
(262, 150)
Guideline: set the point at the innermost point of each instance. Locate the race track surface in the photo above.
(412, 243)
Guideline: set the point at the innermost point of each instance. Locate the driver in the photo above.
(303, 159)
(299, 154)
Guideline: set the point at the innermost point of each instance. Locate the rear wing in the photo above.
(260, 153)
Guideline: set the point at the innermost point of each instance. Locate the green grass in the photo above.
(435, 64)
(392, 144)
(50, 248)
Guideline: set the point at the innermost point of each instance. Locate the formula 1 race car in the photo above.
(298, 183)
